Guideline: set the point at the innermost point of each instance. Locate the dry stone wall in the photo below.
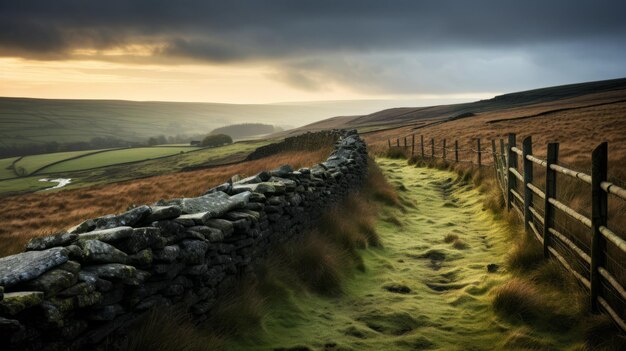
(77, 289)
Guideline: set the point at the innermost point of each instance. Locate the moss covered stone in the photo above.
(15, 302)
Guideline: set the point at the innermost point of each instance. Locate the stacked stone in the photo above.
(74, 289)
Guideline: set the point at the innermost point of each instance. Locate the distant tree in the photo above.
(153, 141)
(216, 140)
(161, 139)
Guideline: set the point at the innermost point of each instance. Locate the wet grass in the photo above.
(418, 292)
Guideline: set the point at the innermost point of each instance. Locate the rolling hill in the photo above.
(39, 121)
(546, 99)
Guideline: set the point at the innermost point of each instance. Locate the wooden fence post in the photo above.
(479, 151)
(495, 158)
(405, 142)
(527, 149)
(511, 163)
(413, 145)
(389, 142)
(502, 156)
(422, 144)
(444, 149)
(456, 151)
(599, 209)
(548, 221)
(432, 148)
(398, 142)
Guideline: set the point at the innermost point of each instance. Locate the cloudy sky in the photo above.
(272, 51)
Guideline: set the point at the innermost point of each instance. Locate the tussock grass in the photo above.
(377, 187)
(169, 329)
(396, 153)
(450, 238)
(542, 295)
(527, 254)
(518, 299)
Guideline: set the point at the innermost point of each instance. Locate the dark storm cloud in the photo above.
(238, 30)
(312, 43)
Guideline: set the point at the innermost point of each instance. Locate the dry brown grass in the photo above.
(27, 216)
(578, 131)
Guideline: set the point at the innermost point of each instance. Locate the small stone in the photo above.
(75, 252)
(96, 251)
(211, 234)
(168, 254)
(192, 251)
(112, 271)
(29, 265)
(225, 226)
(93, 279)
(15, 302)
(282, 171)
(52, 282)
(141, 258)
(397, 288)
(185, 221)
(52, 314)
(77, 289)
(492, 267)
(62, 304)
(108, 235)
(163, 212)
(141, 238)
(46, 242)
(128, 218)
(84, 227)
(70, 266)
(214, 204)
(88, 300)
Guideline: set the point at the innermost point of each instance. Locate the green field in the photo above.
(35, 162)
(117, 164)
(5, 171)
(114, 157)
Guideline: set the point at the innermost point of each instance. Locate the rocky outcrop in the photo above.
(75, 289)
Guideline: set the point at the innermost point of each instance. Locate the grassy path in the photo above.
(420, 292)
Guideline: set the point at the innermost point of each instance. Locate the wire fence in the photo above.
(582, 243)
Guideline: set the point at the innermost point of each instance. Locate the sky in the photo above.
(269, 51)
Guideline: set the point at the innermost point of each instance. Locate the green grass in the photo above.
(114, 157)
(35, 162)
(26, 184)
(419, 292)
(5, 171)
(115, 172)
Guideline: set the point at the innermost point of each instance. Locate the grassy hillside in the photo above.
(27, 121)
(600, 92)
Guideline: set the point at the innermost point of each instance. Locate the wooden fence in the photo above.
(585, 246)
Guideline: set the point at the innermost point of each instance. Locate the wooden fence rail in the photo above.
(606, 291)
